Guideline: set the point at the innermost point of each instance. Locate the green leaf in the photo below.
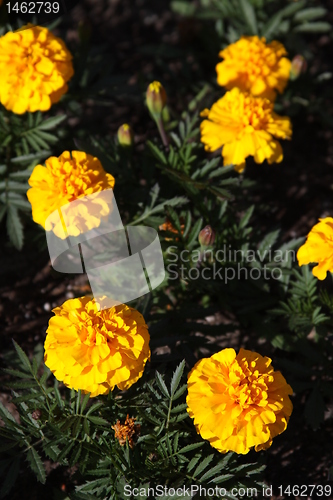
(320, 27)
(36, 465)
(183, 8)
(3, 210)
(23, 357)
(290, 9)
(97, 420)
(271, 26)
(85, 402)
(203, 465)
(5, 414)
(23, 174)
(14, 227)
(11, 477)
(249, 16)
(310, 14)
(161, 384)
(28, 158)
(193, 236)
(268, 241)
(191, 447)
(51, 123)
(246, 217)
(176, 377)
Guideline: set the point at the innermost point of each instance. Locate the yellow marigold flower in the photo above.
(64, 179)
(238, 402)
(253, 65)
(245, 126)
(96, 350)
(318, 248)
(35, 67)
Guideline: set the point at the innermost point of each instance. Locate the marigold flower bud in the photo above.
(206, 236)
(298, 66)
(125, 135)
(156, 98)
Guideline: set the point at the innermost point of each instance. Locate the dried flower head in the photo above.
(238, 402)
(95, 350)
(170, 228)
(318, 248)
(35, 67)
(127, 431)
(254, 66)
(65, 179)
(245, 126)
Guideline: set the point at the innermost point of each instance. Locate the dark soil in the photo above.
(296, 194)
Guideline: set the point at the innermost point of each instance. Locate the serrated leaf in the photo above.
(191, 447)
(51, 123)
(272, 25)
(193, 236)
(5, 414)
(246, 217)
(97, 420)
(319, 27)
(85, 402)
(267, 243)
(14, 227)
(310, 14)
(36, 465)
(203, 465)
(249, 16)
(161, 384)
(176, 377)
(23, 357)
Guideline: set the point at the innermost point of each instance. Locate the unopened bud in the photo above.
(125, 135)
(206, 236)
(298, 66)
(156, 98)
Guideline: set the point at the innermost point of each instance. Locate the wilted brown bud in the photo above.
(36, 414)
(156, 98)
(128, 430)
(206, 236)
(125, 135)
(298, 66)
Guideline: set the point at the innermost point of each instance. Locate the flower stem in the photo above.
(161, 130)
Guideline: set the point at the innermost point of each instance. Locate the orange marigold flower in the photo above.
(128, 430)
(65, 179)
(318, 248)
(255, 66)
(35, 67)
(96, 350)
(238, 402)
(245, 126)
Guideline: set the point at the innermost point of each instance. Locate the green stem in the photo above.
(161, 130)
